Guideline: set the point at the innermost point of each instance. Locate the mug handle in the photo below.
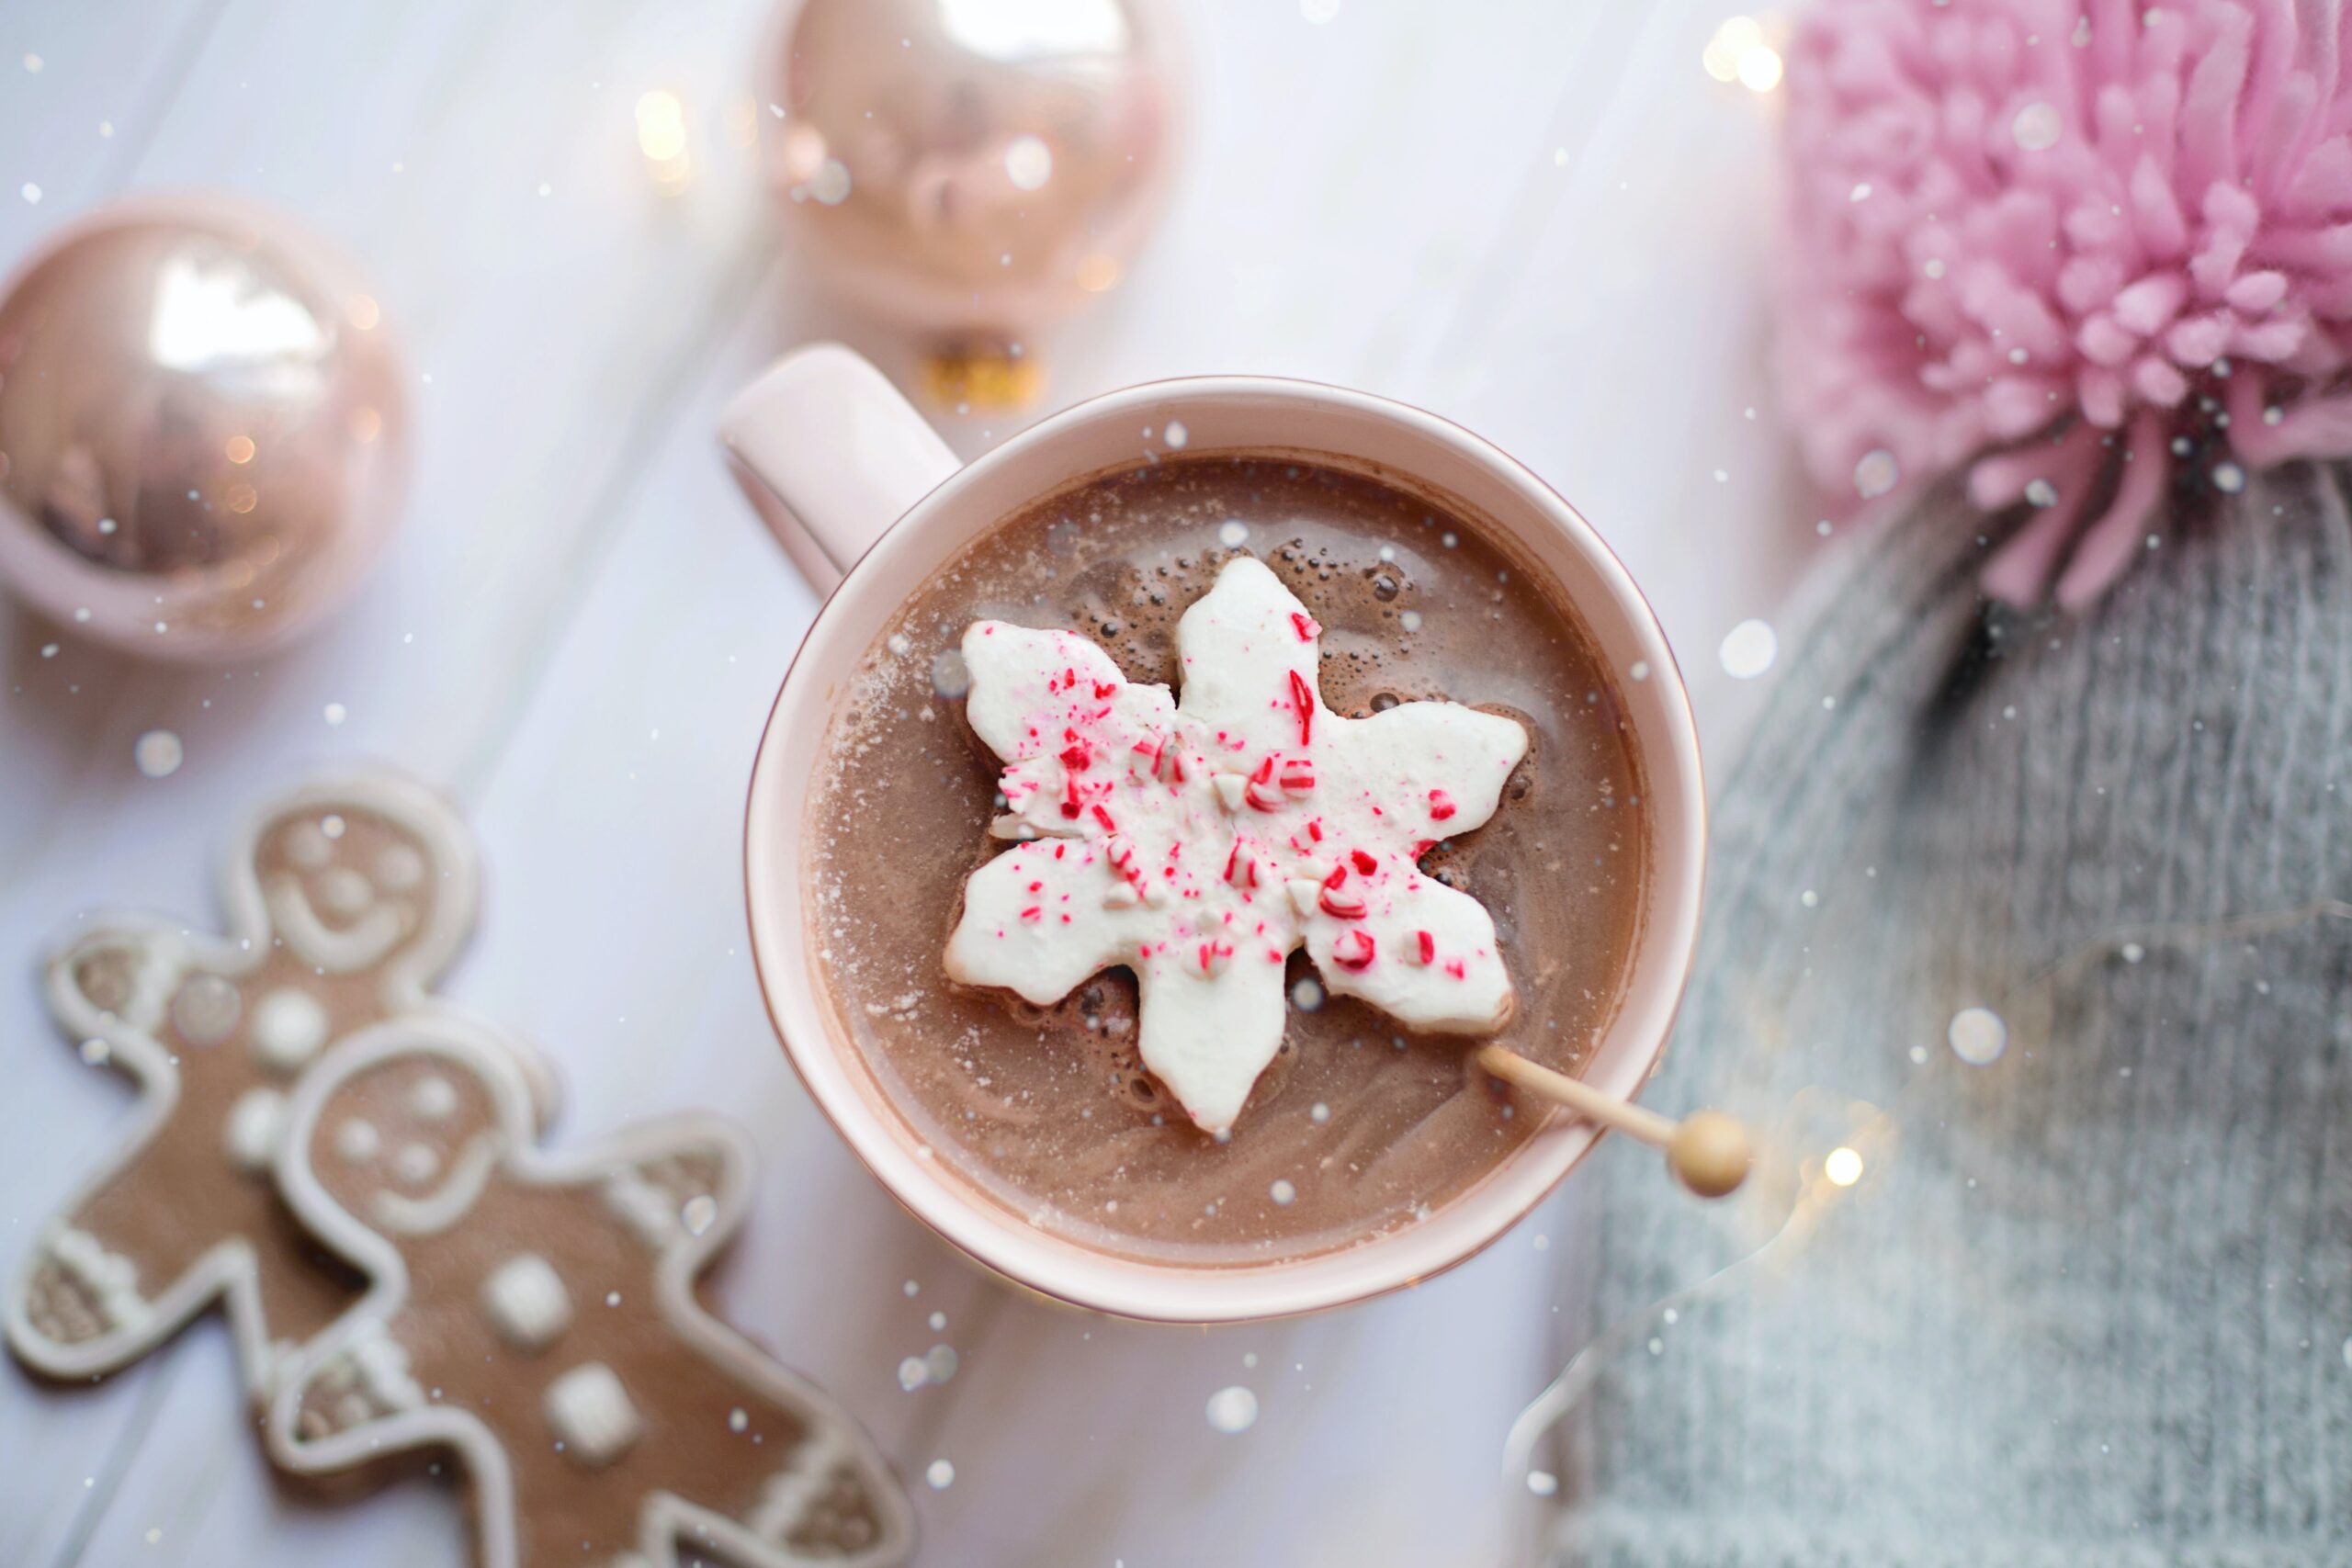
(830, 455)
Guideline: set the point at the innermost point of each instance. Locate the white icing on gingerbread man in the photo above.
(537, 1313)
(1198, 844)
(346, 899)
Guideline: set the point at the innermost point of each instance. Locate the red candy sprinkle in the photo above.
(1354, 950)
(1304, 701)
(1453, 966)
(1428, 947)
(1441, 804)
(1305, 625)
(1364, 862)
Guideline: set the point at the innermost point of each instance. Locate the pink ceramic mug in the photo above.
(863, 494)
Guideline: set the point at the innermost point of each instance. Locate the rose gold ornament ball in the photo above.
(970, 168)
(202, 428)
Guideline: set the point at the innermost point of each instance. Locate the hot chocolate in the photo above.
(1358, 1124)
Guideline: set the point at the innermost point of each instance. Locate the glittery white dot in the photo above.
(738, 1419)
(901, 644)
(830, 184)
(1640, 670)
(1283, 1193)
(2227, 478)
(1318, 11)
(939, 1474)
(1232, 1410)
(699, 1211)
(336, 712)
(2037, 127)
(1877, 471)
(1410, 620)
(1749, 650)
(1543, 1482)
(1321, 1113)
(1307, 995)
(157, 753)
(1177, 435)
(1978, 1036)
(912, 1373)
(2041, 493)
(1232, 532)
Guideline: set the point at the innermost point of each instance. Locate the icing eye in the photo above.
(433, 1100)
(345, 892)
(358, 1142)
(416, 1164)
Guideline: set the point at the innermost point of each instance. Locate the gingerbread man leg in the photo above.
(537, 1313)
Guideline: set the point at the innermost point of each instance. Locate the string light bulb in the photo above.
(661, 137)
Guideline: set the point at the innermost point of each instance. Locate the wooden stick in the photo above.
(1708, 1151)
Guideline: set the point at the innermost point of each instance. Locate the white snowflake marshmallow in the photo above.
(1198, 844)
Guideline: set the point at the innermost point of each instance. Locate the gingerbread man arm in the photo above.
(80, 1306)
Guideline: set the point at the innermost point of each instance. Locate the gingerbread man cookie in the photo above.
(537, 1313)
(346, 900)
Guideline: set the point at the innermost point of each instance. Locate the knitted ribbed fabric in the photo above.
(2089, 1304)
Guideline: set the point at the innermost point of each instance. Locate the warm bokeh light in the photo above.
(1842, 1166)
(661, 126)
(1740, 52)
(363, 313)
(661, 135)
(241, 449)
(1098, 273)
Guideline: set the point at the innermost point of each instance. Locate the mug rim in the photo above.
(982, 1226)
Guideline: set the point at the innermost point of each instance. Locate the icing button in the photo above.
(254, 1123)
(288, 1027)
(591, 1414)
(526, 1302)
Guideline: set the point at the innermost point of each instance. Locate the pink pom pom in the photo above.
(2091, 249)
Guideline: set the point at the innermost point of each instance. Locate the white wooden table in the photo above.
(1538, 217)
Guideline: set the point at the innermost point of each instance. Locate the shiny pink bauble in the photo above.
(202, 428)
(972, 168)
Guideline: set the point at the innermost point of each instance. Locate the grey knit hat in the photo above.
(2089, 1302)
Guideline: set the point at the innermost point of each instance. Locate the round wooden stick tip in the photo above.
(1709, 1154)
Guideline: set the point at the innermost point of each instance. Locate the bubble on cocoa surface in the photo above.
(949, 676)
